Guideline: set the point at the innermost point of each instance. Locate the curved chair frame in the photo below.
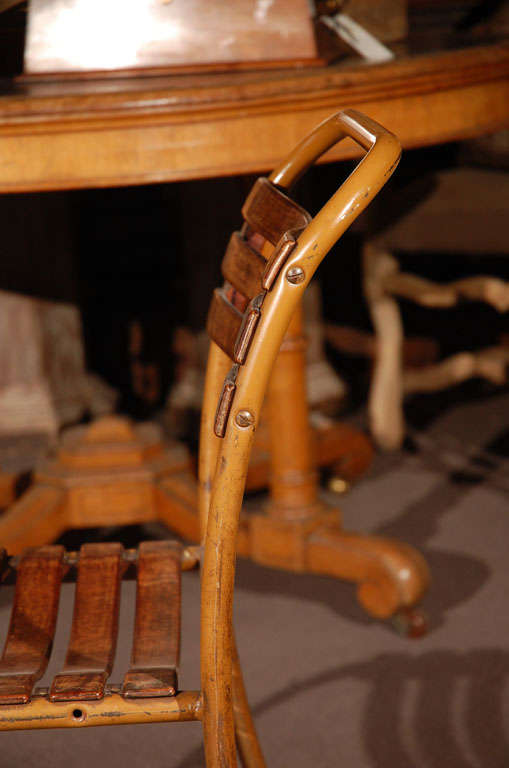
(224, 461)
(222, 702)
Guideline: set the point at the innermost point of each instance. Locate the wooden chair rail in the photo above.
(113, 709)
(190, 558)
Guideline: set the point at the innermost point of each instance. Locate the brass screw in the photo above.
(244, 419)
(295, 275)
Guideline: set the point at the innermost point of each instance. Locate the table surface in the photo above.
(69, 134)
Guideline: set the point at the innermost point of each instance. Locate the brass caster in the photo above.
(410, 622)
(338, 485)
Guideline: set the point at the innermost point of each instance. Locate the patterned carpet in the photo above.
(329, 687)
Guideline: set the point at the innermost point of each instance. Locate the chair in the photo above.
(249, 337)
(465, 213)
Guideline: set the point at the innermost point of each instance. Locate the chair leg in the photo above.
(220, 513)
(386, 393)
(248, 745)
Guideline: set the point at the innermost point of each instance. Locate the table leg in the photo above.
(298, 531)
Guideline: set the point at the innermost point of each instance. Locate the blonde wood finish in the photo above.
(64, 135)
(391, 576)
(491, 290)
(38, 517)
(142, 487)
(441, 224)
(248, 745)
(489, 363)
(278, 308)
(386, 391)
(112, 710)
(108, 473)
(293, 487)
(223, 471)
(285, 535)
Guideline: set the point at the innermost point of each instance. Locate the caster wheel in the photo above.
(410, 622)
(338, 485)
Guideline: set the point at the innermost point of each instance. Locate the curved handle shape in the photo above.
(352, 197)
(234, 449)
(351, 123)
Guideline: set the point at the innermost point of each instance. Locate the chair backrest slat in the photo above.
(223, 322)
(271, 213)
(243, 266)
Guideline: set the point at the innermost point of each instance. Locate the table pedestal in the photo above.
(113, 473)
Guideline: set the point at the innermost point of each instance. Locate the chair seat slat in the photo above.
(156, 642)
(94, 625)
(32, 626)
(271, 213)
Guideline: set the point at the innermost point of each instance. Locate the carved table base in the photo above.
(112, 473)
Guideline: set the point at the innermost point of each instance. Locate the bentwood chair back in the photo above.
(267, 267)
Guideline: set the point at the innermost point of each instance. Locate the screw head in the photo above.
(244, 419)
(295, 275)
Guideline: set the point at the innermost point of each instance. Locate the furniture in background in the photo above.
(43, 383)
(296, 531)
(79, 695)
(111, 473)
(169, 128)
(465, 213)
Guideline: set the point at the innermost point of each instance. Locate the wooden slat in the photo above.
(223, 322)
(270, 212)
(156, 643)
(243, 266)
(32, 627)
(94, 625)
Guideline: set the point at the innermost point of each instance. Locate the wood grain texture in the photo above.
(38, 516)
(271, 213)
(94, 625)
(112, 710)
(156, 643)
(294, 477)
(243, 266)
(223, 322)
(32, 626)
(140, 130)
(195, 34)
